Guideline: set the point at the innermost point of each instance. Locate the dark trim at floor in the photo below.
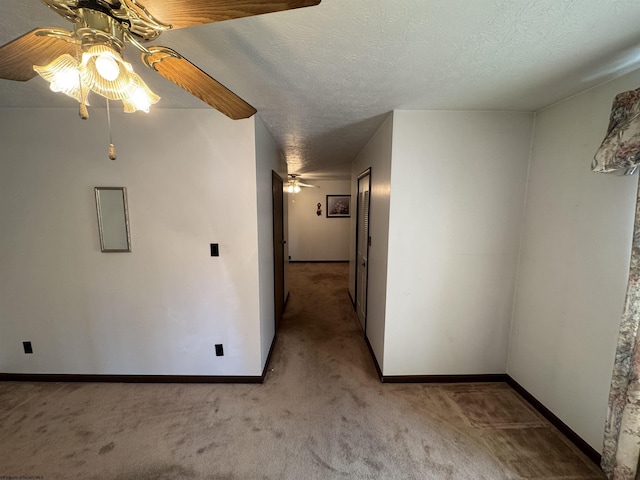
(572, 436)
(353, 302)
(480, 378)
(318, 261)
(373, 357)
(286, 302)
(47, 377)
(266, 364)
(54, 377)
(587, 449)
(582, 445)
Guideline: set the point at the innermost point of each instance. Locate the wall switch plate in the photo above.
(219, 350)
(27, 347)
(215, 252)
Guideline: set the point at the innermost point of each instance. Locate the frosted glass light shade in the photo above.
(123, 84)
(64, 76)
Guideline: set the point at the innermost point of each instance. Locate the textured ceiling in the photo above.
(324, 77)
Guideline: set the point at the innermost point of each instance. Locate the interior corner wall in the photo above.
(458, 182)
(574, 263)
(159, 310)
(376, 155)
(268, 159)
(315, 237)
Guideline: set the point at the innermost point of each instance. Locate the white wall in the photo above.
(377, 156)
(191, 180)
(313, 237)
(458, 185)
(268, 159)
(574, 264)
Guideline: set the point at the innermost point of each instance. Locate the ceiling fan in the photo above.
(294, 184)
(89, 58)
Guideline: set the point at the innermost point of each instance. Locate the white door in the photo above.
(362, 247)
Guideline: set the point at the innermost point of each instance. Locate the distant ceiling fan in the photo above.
(89, 58)
(294, 185)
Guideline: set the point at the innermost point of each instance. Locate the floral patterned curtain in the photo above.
(620, 153)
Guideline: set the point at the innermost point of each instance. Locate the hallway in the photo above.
(321, 414)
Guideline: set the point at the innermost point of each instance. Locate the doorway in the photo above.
(362, 246)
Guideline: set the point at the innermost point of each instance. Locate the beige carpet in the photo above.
(322, 414)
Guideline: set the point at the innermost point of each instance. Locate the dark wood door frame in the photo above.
(364, 174)
(277, 185)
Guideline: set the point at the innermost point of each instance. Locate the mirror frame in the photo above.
(125, 212)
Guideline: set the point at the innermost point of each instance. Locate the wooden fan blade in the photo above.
(172, 66)
(186, 13)
(307, 185)
(18, 57)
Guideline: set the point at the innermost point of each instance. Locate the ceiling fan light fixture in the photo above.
(103, 71)
(101, 31)
(293, 186)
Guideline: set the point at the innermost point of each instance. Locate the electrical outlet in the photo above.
(219, 350)
(27, 347)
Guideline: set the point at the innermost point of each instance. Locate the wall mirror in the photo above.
(113, 219)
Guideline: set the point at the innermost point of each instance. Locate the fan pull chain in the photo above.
(112, 148)
(83, 112)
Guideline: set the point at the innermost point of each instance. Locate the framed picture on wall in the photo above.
(338, 206)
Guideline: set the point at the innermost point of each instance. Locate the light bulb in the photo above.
(107, 67)
(290, 188)
(141, 99)
(65, 80)
(296, 189)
